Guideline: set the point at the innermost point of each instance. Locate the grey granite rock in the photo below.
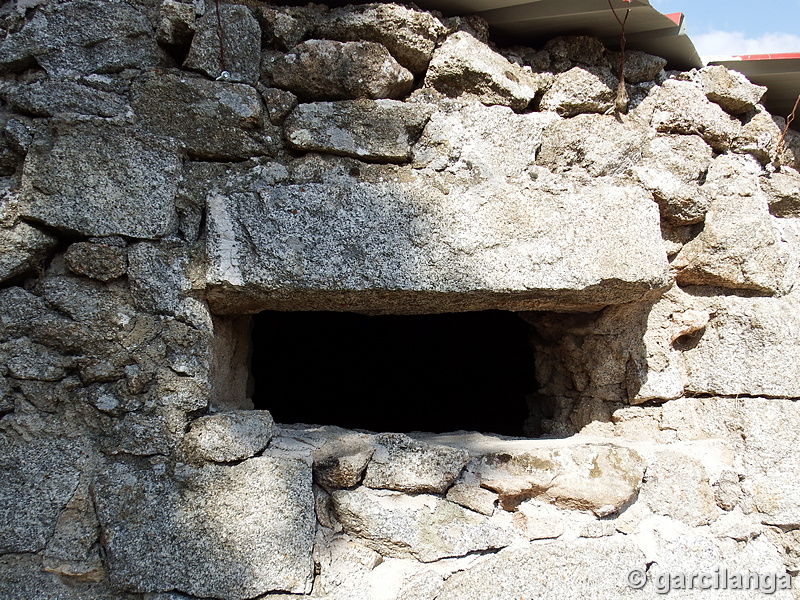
(423, 526)
(567, 50)
(410, 35)
(373, 130)
(330, 70)
(741, 245)
(308, 238)
(639, 66)
(22, 248)
(283, 27)
(595, 477)
(235, 48)
(474, 498)
(97, 260)
(176, 23)
(22, 577)
(341, 462)
(229, 436)
(485, 142)
(759, 137)
(463, 65)
(783, 192)
(730, 89)
(676, 485)
(686, 157)
(57, 97)
(742, 337)
(212, 120)
(134, 191)
(40, 472)
(87, 36)
(401, 463)
(586, 568)
(228, 532)
(584, 89)
(279, 103)
(595, 143)
(682, 107)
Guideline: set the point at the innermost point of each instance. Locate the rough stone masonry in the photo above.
(384, 160)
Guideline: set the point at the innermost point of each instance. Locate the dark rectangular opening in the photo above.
(433, 373)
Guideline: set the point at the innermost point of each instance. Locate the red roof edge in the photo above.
(783, 56)
(676, 17)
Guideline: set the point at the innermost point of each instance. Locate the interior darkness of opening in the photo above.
(432, 373)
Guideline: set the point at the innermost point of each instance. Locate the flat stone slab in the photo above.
(134, 191)
(402, 241)
(223, 532)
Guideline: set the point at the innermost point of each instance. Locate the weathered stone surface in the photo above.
(341, 463)
(134, 191)
(22, 246)
(599, 478)
(681, 107)
(741, 246)
(86, 36)
(241, 49)
(283, 27)
(742, 337)
(730, 89)
(379, 130)
(74, 548)
(485, 142)
(463, 65)
(673, 547)
(40, 471)
(473, 497)
(783, 192)
(410, 35)
(212, 120)
(308, 238)
(229, 436)
(279, 103)
(687, 157)
(758, 136)
(160, 282)
(565, 51)
(681, 203)
(348, 569)
(639, 66)
(595, 143)
(176, 23)
(97, 260)
(329, 70)
(401, 463)
(227, 532)
(54, 97)
(595, 568)
(585, 89)
(676, 485)
(423, 526)
(22, 578)
(232, 347)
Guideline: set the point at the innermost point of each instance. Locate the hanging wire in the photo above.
(621, 103)
(224, 74)
(781, 146)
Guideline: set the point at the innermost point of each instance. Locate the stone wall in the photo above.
(384, 160)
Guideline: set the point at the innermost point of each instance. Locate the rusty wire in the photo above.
(221, 37)
(782, 140)
(621, 103)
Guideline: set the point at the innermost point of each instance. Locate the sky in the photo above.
(733, 27)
